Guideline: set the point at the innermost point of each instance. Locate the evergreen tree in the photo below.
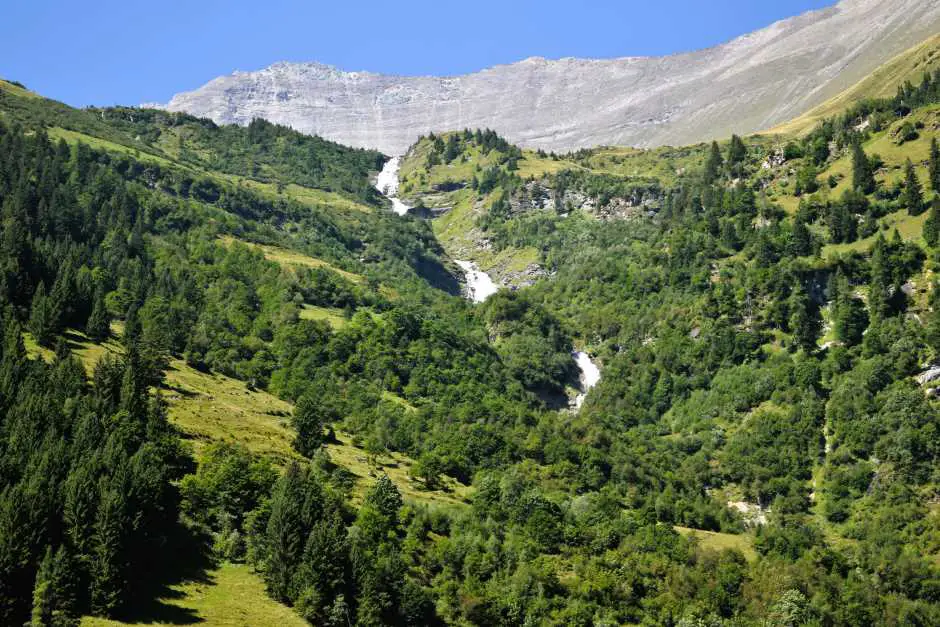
(713, 164)
(324, 566)
(98, 326)
(453, 148)
(863, 176)
(43, 317)
(881, 284)
(804, 320)
(737, 151)
(913, 196)
(285, 537)
(932, 224)
(107, 563)
(54, 601)
(375, 555)
(934, 167)
(802, 239)
(848, 312)
(312, 416)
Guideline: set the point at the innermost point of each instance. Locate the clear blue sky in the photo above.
(108, 52)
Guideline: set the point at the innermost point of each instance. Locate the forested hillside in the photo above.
(762, 447)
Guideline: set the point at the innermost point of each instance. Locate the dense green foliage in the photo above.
(751, 386)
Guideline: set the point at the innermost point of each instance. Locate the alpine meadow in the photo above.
(253, 376)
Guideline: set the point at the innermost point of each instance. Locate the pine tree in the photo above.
(848, 312)
(63, 294)
(863, 178)
(54, 600)
(43, 317)
(934, 168)
(713, 164)
(311, 417)
(802, 239)
(879, 293)
(107, 563)
(285, 537)
(932, 225)
(737, 151)
(913, 196)
(98, 326)
(804, 320)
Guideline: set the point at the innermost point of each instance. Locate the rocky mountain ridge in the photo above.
(745, 85)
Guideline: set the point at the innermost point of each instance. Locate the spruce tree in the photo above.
(311, 417)
(43, 317)
(107, 562)
(802, 239)
(932, 225)
(54, 601)
(737, 151)
(863, 178)
(285, 537)
(934, 168)
(879, 292)
(848, 312)
(98, 326)
(713, 164)
(913, 196)
(804, 320)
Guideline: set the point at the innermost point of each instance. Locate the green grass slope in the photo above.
(882, 83)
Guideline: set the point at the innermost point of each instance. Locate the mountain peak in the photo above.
(749, 83)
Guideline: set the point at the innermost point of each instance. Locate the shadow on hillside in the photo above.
(185, 559)
(437, 276)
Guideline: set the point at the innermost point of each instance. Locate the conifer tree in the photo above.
(98, 326)
(713, 164)
(311, 417)
(863, 178)
(43, 317)
(932, 225)
(848, 312)
(737, 151)
(934, 167)
(107, 564)
(804, 320)
(54, 601)
(913, 196)
(879, 293)
(285, 541)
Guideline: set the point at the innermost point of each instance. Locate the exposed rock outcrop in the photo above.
(748, 84)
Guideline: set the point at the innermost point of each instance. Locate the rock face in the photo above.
(745, 85)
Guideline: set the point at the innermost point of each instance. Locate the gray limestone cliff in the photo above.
(745, 85)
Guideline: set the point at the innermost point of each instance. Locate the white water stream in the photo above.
(590, 375)
(479, 284)
(387, 184)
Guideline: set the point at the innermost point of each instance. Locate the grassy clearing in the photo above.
(230, 595)
(210, 407)
(331, 314)
(285, 257)
(367, 469)
(910, 227)
(719, 541)
(74, 137)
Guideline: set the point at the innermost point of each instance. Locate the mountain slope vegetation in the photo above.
(761, 448)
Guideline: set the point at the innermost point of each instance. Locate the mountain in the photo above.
(235, 386)
(748, 84)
